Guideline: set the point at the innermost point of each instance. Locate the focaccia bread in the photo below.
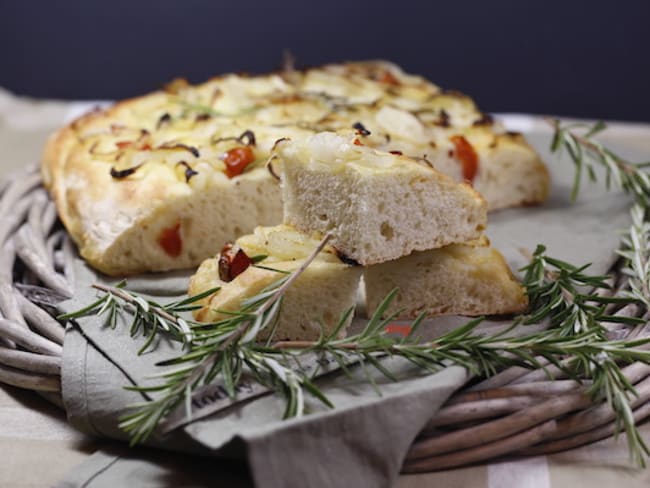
(378, 206)
(152, 183)
(148, 186)
(313, 304)
(461, 279)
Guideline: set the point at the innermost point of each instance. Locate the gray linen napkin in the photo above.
(365, 437)
(363, 441)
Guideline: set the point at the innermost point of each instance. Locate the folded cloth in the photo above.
(363, 441)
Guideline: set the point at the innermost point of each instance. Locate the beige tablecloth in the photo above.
(37, 447)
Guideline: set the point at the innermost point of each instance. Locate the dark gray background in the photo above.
(581, 58)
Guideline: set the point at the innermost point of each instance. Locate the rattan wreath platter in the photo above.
(518, 412)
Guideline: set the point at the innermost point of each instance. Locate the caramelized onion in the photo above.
(191, 149)
(247, 137)
(119, 174)
(189, 172)
(361, 130)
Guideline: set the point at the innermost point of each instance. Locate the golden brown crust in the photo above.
(53, 162)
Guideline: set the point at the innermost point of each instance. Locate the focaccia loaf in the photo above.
(154, 182)
(313, 305)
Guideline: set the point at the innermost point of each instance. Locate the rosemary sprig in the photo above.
(632, 178)
(220, 349)
(148, 317)
(577, 140)
(635, 249)
(555, 290)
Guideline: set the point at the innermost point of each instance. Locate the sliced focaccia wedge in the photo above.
(461, 279)
(313, 305)
(378, 206)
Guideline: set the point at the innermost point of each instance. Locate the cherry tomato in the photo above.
(233, 261)
(123, 144)
(389, 78)
(237, 159)
(467, 156)
(170, 240)
(401, 329)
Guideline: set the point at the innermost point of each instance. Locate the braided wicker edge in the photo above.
(518, 412)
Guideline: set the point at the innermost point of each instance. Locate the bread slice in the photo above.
(464, 279)
(378, 206)
(313, 304)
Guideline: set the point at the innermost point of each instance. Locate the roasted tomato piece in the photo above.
(123, 144)
(170, 240)
(467, 156)
(237, 159)
(141, 145)
(388, 78)
(233, 261)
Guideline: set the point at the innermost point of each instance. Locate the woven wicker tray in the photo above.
(515, 413)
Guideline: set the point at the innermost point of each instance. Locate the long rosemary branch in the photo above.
(592, 358)
(577, 140)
